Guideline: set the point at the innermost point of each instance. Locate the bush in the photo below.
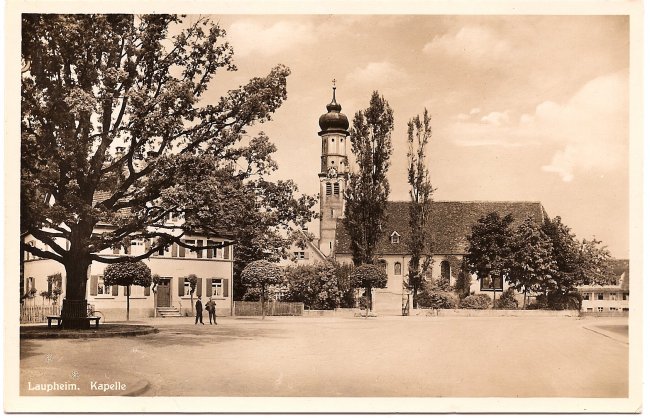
(562, 301)
(476, 302)
(507, 300)
(437, 299)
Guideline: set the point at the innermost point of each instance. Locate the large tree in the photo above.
(489, 254)
(114, 103)
(533, 263)
(419, 133)
(369, 276)
(366, 196)
(577, 263)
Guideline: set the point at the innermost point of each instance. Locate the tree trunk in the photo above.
(415, 293)
(369, 293)
(128, 300)
(525, 291)
(74, 309)
(192, 302)
(262, 299)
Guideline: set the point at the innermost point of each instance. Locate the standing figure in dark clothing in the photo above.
(199, 311)
(211, 307)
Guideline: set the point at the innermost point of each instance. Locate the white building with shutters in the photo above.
(214, 269)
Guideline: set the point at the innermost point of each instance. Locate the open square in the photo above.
(355, 357)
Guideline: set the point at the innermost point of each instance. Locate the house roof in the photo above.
(449, 224)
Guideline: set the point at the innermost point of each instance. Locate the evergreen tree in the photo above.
(419, 133)
(366, 196)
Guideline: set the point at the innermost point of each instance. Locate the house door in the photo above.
(163, 296)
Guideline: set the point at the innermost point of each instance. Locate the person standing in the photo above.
(211, 307)
(199, 311)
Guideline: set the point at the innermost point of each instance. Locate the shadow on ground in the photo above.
(208, 335)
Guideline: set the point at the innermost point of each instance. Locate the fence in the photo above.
(271, 308)
(36, 313)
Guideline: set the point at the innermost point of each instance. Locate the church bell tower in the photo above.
(334, 171)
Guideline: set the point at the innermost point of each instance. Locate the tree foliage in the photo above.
(367, 192)
(489, 254)
(463, 281)
(419, 133)
(533, 263)
(369, 276)
(127, 273)
(99, 82)
(316, 285)
(260, 275)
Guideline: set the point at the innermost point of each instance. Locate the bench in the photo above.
(50, 318)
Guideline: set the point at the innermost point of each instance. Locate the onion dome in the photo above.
(334, 120)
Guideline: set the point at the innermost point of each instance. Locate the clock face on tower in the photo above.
(332, 173)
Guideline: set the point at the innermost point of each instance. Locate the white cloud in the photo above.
(497, 118)
(249, 38)
(476, 44)
(589, 131)
(375, 73)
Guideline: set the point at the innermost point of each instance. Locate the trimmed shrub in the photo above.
(437, 299)
(507, 300)
(480, 301)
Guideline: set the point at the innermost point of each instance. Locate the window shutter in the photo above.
(181, 285)
(225, 290)
(181, 251)
(115, 289)
(147, 290)
(226, 252)
(93, 285)
(210, 250)
(199, 284)
(199, 253)
(208, 287)
(174, 250)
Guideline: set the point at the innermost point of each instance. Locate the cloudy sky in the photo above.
(531, 108)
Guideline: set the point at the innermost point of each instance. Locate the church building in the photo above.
(449, 226)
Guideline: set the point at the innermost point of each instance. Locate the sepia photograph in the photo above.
(297, 209)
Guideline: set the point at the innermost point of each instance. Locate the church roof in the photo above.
(450, 223)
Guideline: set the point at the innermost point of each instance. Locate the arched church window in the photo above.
(336, 189)
(328, 188)
(398, 269)
(445, 272)
(383, 265)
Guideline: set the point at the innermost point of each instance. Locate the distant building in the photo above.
(614, 297)
(450, 222)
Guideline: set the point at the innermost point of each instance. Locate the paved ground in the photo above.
(385, 356)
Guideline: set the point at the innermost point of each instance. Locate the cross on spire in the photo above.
(334, 83)
(334, 90)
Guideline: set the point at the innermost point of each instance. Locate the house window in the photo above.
(626, 309)
(600, 296)
(445, 272)
(103, 289)
(187, 287)
(491, 283)
(383, 265)
(394, 238)
(626, 296)
(188, 242)
(613, 309)
(398, 269)
(215, 252)
(217, 287)
(328, 189)
(590, 309)
(600, 309)
(336, 189)
(612, 296)
(586, 296)
(300, 255)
